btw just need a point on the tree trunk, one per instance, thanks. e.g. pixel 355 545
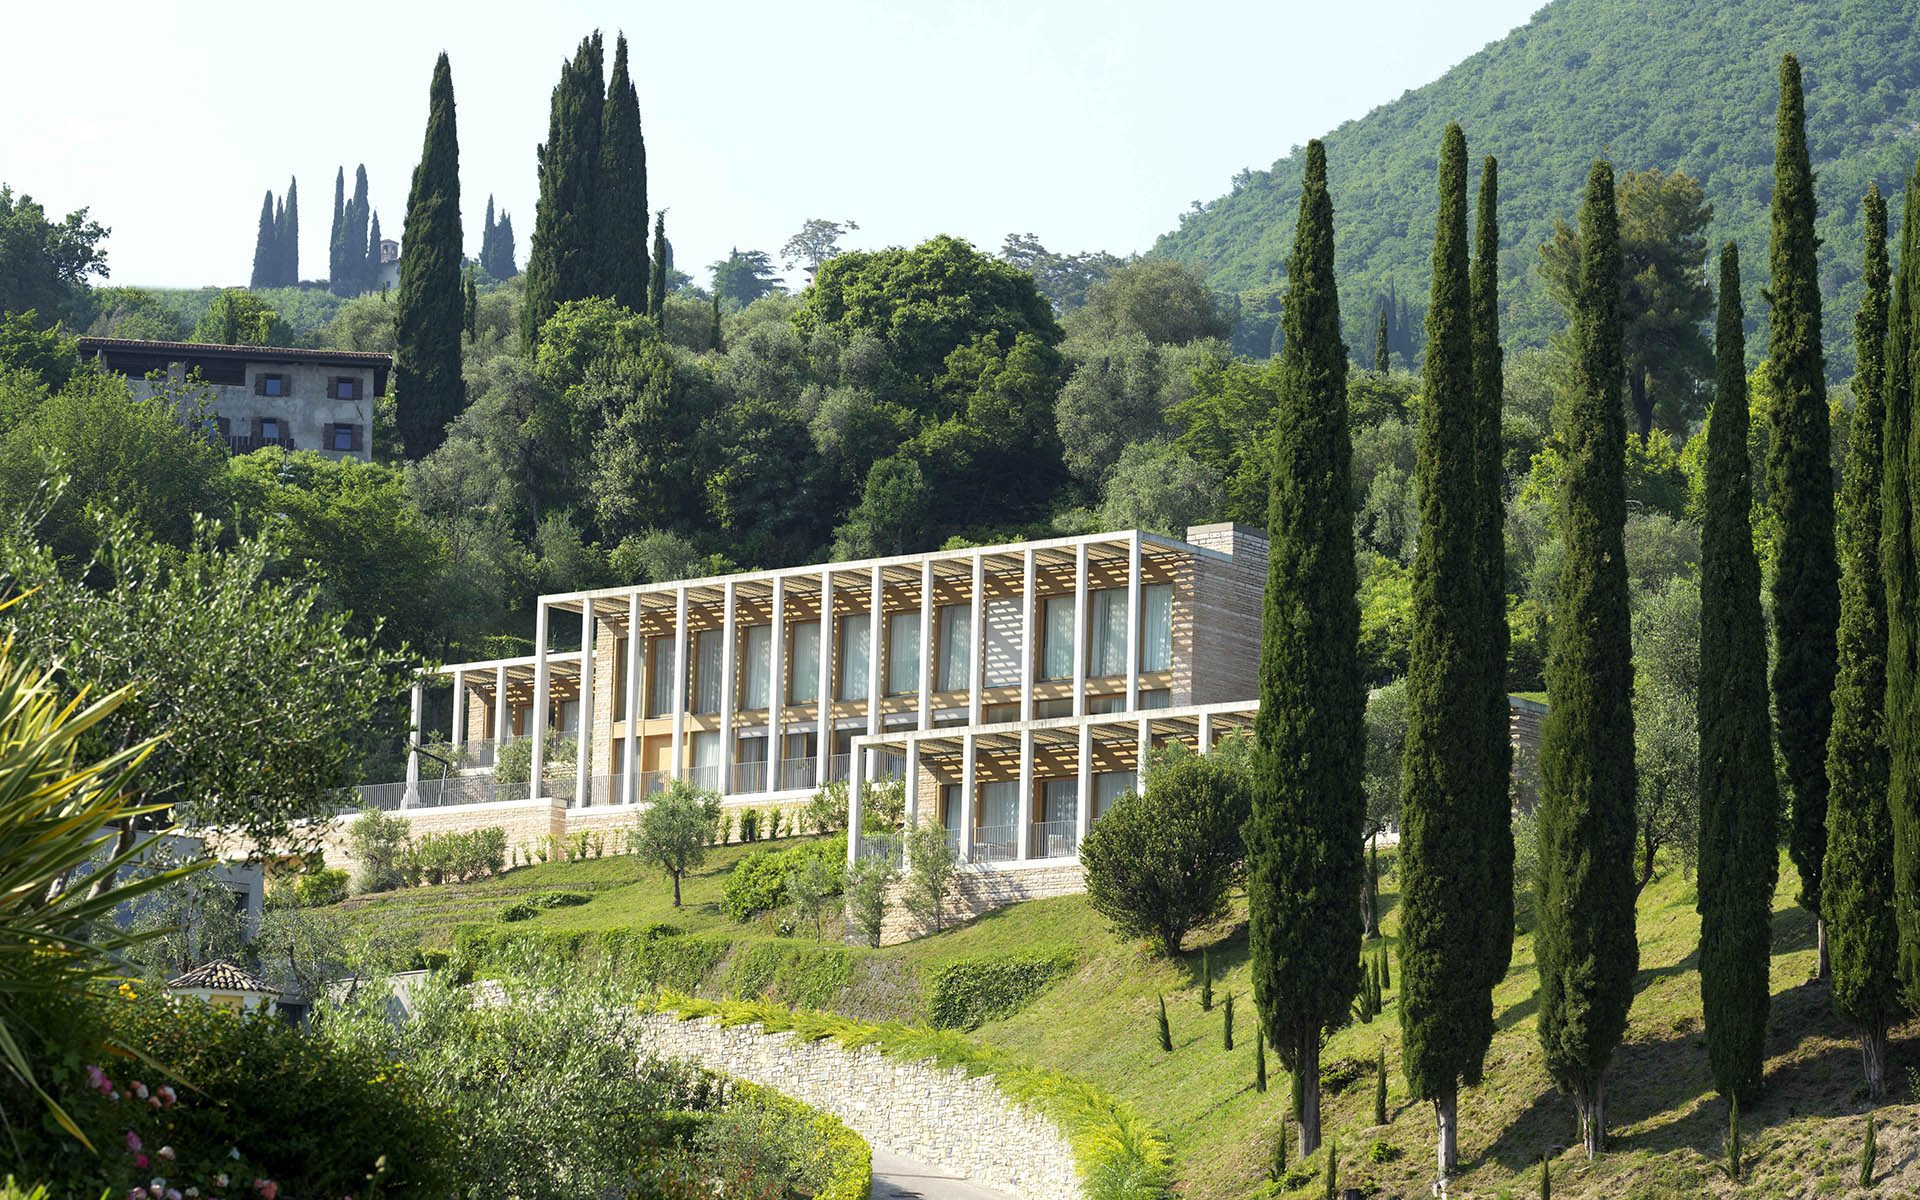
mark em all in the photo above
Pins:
pixel 1590 1102
pixel 1370 895
pixel 1648 848
pixel 1446 1112
pixel 102 880
pixel 1823 966
pixel 1873 1056
pixel 1642 405
pixel 1306 1093
pixel 676 889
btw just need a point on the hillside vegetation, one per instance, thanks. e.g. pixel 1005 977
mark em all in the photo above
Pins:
pixel 1097 1021
pixel 1682 85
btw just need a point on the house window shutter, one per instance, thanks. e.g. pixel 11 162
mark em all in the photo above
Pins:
pixel 256 429
pixel 259 384
pixel 357 443
pixel 225 426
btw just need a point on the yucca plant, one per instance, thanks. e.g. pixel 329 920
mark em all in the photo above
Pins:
pixel 58 814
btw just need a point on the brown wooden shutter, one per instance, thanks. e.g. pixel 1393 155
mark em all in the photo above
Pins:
pixel 259 384
pixel 358 444
pixel 256 429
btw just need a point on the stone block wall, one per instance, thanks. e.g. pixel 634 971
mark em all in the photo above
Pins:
pixel 525 821
pixel 923 1112
pixel 977 892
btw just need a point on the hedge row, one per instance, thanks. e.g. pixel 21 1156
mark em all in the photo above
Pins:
pixel 966 993
pixel 539 902
pixel 1117 1153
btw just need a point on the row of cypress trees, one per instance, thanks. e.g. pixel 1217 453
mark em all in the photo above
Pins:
pixel 590 226
pixel 353 249
pixel 496 245
pixel 276 248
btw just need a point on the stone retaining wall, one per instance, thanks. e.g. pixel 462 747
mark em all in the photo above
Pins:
pixel 977 892
pixel 936 1116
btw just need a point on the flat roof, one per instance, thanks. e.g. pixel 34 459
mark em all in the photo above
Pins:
pixel 379 363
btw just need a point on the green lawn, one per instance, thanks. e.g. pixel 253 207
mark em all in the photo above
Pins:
pixel 1098 1024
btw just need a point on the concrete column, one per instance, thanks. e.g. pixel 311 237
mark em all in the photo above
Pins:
pixel 967 801
pixel 856 778
pixel 823 753
pixel 926 644
pixel 976 649
pixel 1205 739
pixel 1133 620
pixel 537 719
pixel 1142 745
pixel 1026 637
pixel 1023 807
pixel 502 712
pixel 678 762
pixel 729 688
pixel 876 658
pixel 776 682
pixel 910 816
pixel 1083 815
pixel 459 709
pixel 583 763
pixel 412 792
pixel 630 759
pixel 1080 630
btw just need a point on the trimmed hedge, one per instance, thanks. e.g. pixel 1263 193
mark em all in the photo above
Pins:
pixel 966 993
pixel 842 1166
pixel 1119 1155
pixel 802 976
pixel 539 902
pixel 758 882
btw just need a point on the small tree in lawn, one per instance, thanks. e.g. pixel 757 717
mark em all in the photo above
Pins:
pixel 931 865
pixel 867 884
pixel 674 829
pixel 378 842
pixel 1160 865
pixel 811 887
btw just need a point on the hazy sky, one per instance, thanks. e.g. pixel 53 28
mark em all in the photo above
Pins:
pixel 1091 123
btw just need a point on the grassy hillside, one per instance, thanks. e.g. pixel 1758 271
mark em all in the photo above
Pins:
pixel 1674 84
pixel 1097 1023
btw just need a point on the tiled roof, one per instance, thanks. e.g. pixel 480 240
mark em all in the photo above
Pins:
pixel 221 976
pixel 358 358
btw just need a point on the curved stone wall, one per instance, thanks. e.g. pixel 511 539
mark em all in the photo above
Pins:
pixel 934 1115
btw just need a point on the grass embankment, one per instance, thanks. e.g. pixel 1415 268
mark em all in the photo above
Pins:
pixel 1097 1024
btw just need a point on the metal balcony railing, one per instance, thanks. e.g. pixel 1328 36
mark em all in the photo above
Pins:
pixel 993 844
pixel 839 767
pixel 796 773
pixel 705 777
pixel 1055 839
pixel 749 778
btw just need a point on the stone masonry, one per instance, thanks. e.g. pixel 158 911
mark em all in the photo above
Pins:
pixel 923 1112
pixel 977 892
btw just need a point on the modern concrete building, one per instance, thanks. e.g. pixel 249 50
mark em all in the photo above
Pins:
pixel 264 395
pixel 1014 688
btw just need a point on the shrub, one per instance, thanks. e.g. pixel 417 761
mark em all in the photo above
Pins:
pixel 824 1159
pixel 1161 864
pixel 457 857
pixel 827 811
pixel 966 993
pixel 749 825
pixel 760 881
pixel 932 863
pixel 378 843
pixel 513 762
pixel 315 888
pixel 867 885
pixel 539 902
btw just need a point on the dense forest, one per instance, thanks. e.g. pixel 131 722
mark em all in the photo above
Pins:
pixel 1673 85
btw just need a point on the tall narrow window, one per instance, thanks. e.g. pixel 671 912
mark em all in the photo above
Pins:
pixel 706 671
pixel 903 653
pixel 756 655
pixel 660 675
pixel 1156 627
pixel 621 648
pixel 956 647
pixel 706 761
pixel 853 657
pixel 1108 652
pixel 1108 787
pixel 1056 657
pixel 804 687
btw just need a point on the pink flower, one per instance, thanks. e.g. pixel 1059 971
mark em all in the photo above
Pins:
pixel 166 1095
pixel 97 1080
pixel 140 1162
pixel 267 1188
pixel 220 1180
pixel 138 1193
pixel 139 1089
pixel 133 1142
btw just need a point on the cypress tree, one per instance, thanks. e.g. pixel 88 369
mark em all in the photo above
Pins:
pixel 1380 1087
pixel 362 264
pixel 1491 642
pixel 372 268
pixel 1739 799
pixel 277 253
pixel 337 235
pixel 564 266
pixel 1446 1002
pixel 1382 349
pixel 1304 853
pixel 1226 1035
pixel 470 310
pixel 621 196
pixel 1856 894
pixel 1869 1150
pixel 1259 1057
pixel 1584 942
pixel 662 264
pixel 290 238
pixel 714 339
pixel 1806 595
pixel 426 361
pixel 1370 912
pixel 263 247
pixel 503 248
pixel 1166 1032
pixel 486 238
pixel 1900 563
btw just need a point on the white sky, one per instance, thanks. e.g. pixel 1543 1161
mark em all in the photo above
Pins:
pixel 1091 123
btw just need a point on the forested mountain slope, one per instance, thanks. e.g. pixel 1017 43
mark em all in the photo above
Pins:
pixel 1684 85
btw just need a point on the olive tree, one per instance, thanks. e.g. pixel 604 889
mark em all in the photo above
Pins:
pixel 675 828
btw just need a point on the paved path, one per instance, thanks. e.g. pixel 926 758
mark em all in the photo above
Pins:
pixel 896 1178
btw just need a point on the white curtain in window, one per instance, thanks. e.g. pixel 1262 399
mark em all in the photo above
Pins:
pixel 997 804
pixel 903 653
pixel 660 700
pixel 1057 638
pixel 956 650
pixel 1156 627
pixel 1061 798
pixel 706 671
pixel 1109 650
pixel 804 688
pixel 1109 786
pixel 853 657
pixel 757 654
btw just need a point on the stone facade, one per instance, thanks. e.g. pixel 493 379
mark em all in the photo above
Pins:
pixel 526 822
pixel 977 892
pixel 933 1115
